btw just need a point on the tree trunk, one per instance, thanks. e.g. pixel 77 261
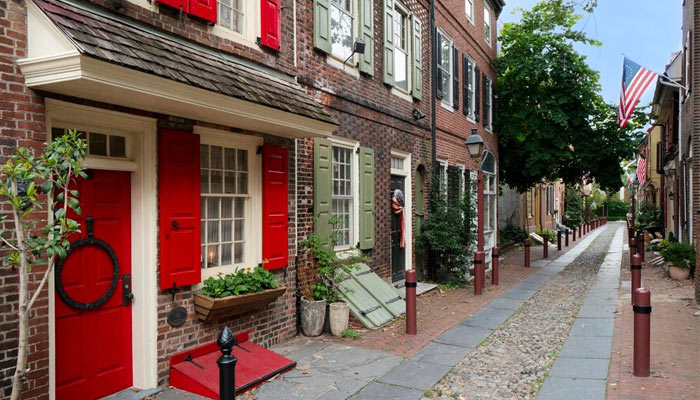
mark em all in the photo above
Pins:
pixel 20 372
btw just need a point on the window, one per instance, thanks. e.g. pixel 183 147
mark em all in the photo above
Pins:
pixel 401 46
pixel 341 28
pixel 470 98
pixel 342 196
pixel 687 54
pixel 488 166
pixel 231 14
pixel 487 24
pixel 445 68
pixel 99 144
pixel 469 10
pixel 488 98
pixel 224 174
pixel 461 181
pixel 397 162
pixel 442 177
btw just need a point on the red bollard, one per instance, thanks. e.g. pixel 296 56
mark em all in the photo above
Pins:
pixel 579 231
pixel 636 272
pixel 495 252
pixel 642 331
pixel 574 233
pixel 411 285
pixel 545 246
pixel 527 253
pixel 633 249
pixel 478 272
pixel 559 240
pixel 566 238
pixel 640 244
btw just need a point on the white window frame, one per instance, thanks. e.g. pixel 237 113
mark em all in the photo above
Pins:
pixel 488 23
pixel 489 99
pixel 469 10
pixel 251 26
pixel 253 207
pixel 354 146
pixel 442 184
pixel 446 101
pixel 399 8
pixel 688 53
pixel 472 97
pixel 490 195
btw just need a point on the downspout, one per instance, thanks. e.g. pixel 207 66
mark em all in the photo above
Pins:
pixel 433 89
pixel 681 189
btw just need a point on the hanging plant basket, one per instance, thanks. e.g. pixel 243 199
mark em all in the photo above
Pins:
pixel 211 308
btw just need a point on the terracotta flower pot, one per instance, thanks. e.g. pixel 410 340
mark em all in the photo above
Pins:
pixel 339 314
pixel 678 273
pixel 313 313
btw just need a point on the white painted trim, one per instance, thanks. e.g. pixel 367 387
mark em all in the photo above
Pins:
pixel 144 250
pixel 408 200
pixel 47 39
pixel 354 146
pixel 251 26
pixel 400 93
pixel 73 74
pixel 253 223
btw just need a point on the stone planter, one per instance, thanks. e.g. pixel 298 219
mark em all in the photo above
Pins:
pixel 210 308
pixel 678 273
pixel 338 315
pixel 313 313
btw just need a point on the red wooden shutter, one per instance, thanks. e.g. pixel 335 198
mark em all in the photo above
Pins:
pixel 270 23
pixel 275 207
pixel 205 9
pixel 176 4
pixel 179 207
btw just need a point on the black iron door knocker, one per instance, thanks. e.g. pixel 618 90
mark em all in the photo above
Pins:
pixel 84 242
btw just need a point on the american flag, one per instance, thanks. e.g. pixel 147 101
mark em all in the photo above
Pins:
pixel 642 170
pixel 635 81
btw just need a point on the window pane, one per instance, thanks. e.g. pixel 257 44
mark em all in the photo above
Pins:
pixel 117 146
pixel 212 208
pixel 216 181
pixel 239 207
pixel 341 33
pixel 242 160
pixel 400 69
pixel 230 159
pixel 226 249
pixel 97 144
pixel 227 208
pixel 213 231
pixel 212 256
pixel 226 230
pixel 238 253
pixel 238 230
pixel 217 155
pixel 204 180
pixel 230 182
pixel 242 183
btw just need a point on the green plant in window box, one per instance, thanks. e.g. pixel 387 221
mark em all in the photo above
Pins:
pixel 243 281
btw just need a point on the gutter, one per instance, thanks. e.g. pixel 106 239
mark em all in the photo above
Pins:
pixel 433 89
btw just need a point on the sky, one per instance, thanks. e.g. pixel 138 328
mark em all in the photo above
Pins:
pixel 646 31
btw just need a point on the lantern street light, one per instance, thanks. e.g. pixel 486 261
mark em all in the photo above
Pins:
pixel 474 144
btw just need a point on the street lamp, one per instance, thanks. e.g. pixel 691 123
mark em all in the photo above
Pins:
pixel 474 144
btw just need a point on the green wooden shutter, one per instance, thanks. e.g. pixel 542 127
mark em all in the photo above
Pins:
pixel 367 35
pixel 476 94
pixel 455 77
pixel 416 50
pixel 322 25
pixel 322 188
pixel 366 198
pixel 388 42
pixel 484 98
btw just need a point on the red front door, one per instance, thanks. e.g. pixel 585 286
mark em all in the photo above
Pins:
pixel 93 347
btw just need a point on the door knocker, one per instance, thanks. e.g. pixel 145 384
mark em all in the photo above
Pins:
pixel 94 242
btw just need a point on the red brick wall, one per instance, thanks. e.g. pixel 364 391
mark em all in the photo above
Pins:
pixel 453 126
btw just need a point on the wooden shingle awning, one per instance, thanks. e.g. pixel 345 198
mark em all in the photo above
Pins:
pixel 82 50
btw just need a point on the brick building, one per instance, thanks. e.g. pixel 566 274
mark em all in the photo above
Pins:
pixel 466 45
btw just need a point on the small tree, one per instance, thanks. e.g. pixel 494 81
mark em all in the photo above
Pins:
pixel 574 207
pixel 27 184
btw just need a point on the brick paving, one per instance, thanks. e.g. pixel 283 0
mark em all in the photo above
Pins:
pixel 675 354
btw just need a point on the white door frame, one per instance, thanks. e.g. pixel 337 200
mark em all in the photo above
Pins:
pixel 141 133
pixel 408 202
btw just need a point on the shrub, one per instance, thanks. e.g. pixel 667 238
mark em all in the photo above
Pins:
pixel 649 215
pixel 679 254
pixel 574 208
pixel 512 233
pixel 245 280
pixel 616 208
pixel 552 236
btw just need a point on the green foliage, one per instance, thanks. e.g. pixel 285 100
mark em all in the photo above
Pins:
pixel 679 254
pixel 551 235
pixel 449 233
pixel 649 215
pixel 24 179
pixel 616 208
pixel 552 121
pixel 331 268
pixel 513 233
pixel 243 281
pixel 574 208
pixel 351 334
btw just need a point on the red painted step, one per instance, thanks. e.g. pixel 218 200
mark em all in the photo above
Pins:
pixel 255 366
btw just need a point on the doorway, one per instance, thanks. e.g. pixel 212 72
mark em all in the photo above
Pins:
pixel 93 323
pixel 398 220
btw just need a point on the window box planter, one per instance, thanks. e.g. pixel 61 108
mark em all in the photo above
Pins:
pixel 211 308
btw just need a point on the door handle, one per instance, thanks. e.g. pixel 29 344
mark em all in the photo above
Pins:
pixel 127 295
pixel 174 224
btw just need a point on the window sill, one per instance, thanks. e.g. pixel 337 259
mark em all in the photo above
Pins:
pixel 471 119
pixel 350 68
pixel 402 94
pixel 348 252
pixel 447 106
pixel 236 37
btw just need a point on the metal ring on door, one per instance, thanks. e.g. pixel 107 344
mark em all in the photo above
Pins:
pixel 61 291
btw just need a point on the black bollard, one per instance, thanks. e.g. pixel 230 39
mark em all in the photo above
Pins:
pixel 566 238
pixel 559 240
pixel 227 365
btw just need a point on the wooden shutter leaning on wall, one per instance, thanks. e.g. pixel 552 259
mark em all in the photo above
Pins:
pixel 270 32
pixel 367 200
pixel 179 209
pixel 388 61
pixel 417 53
pixel 322 25
pixel 366 64
pixel 275 207
pixel 322 188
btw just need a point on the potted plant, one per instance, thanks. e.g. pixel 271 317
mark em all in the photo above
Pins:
pixel 233 294
pixel 326 288
pixel 680 257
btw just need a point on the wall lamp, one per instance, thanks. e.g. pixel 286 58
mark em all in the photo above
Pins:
pixel 357 48
pixel 474 143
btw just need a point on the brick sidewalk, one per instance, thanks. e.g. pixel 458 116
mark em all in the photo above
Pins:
pixel 675 354
pixel 439 311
